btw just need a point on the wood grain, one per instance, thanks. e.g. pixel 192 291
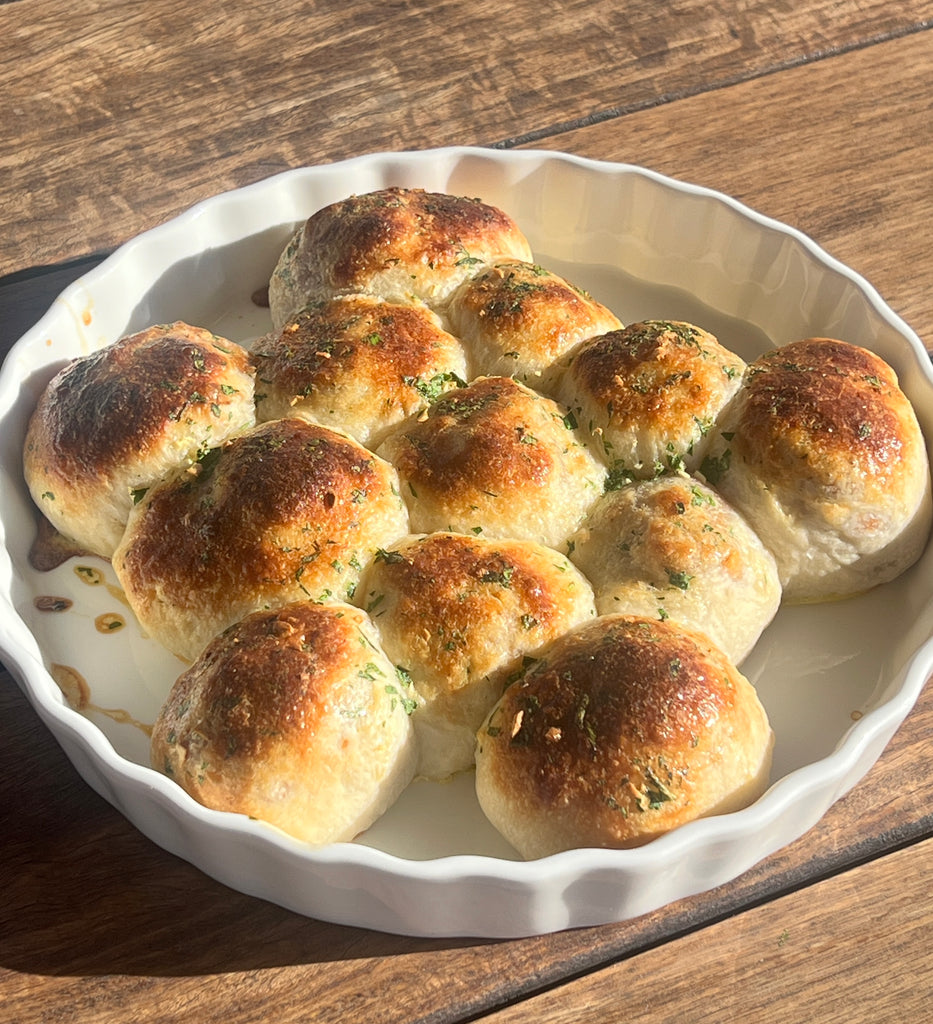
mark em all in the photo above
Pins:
pixel 92 906
pixel 776 962
pixel 820 151
pixel 117 117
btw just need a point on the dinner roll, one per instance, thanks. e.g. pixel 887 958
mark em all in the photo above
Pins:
pixel 624 729
pixel 498 460
pixel 672 548
pixel 114 422
pixel 650 393
pixel 822 453
pixel 356 363
pixel 287 511
pixel 520 320
pixel 294 717
pixel 399 243
pixel 459 614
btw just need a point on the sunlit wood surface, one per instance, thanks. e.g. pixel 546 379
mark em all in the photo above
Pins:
pixel 117 116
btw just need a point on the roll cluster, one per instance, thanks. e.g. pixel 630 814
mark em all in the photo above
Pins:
pixel 452 512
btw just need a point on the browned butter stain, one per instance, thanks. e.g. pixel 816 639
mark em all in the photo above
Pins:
pixel 94 577
pixel 109 622
pixel 76 691
pixel 90 575
pixel 49 548
pixel 106 623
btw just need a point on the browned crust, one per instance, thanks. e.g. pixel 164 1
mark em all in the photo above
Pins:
pixel 110 407
pixel 448 587
pixel 658 372
pixel 524 304
pixel 273 511
pixel 615 724
pixel 393 347
pixel 262 683
pixel 365 234
pixel 685 526
pixel 819 407
pixel 479 440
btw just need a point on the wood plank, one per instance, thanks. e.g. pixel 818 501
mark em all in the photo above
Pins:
pixel 26 296
pixel 82 884
pixel 822 954
pixel 117 117
pixel 814 177
pixel 798 150
pixel 77 938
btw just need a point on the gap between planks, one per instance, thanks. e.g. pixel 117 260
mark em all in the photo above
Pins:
pixel 820 954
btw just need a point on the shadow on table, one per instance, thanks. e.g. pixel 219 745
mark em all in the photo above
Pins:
pixel 134 909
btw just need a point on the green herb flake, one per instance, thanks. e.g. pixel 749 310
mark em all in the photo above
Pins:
pixel 699 498
pixel 679 578
pixel 714 468
pixel 583 723
pixel 617 478
pixel 464 259
pixel 655 793
pixel 432 388
pixel 614 805
pixel 389 557
pixel 409 704
pixel 503 576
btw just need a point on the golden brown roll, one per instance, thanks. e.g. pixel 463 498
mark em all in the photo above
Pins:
pixel 356 363
pixel 395 242
pixel 650 394
pixel 287 511
pixel 520 320
pixel 459 614
pixel 673 548
pixel 495 459
pixel 113 423
pixel 823 455
pixel 625 729
pixel 294 717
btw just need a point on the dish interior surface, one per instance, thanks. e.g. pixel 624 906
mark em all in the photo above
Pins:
pixel 646 248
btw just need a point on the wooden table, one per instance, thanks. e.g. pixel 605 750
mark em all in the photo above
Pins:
pixel 115 117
